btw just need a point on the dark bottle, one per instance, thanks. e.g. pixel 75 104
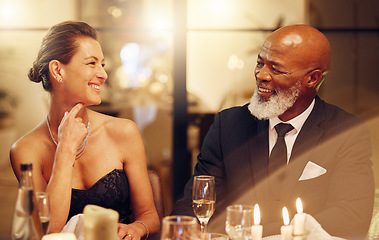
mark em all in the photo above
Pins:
pixel 26 224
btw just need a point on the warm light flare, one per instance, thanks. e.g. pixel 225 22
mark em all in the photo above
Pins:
pixel 299 206
pixel 115 11
pixel 8 11
pixel 286 218
pixel 257 215
pixel 235 62
pixel 219 7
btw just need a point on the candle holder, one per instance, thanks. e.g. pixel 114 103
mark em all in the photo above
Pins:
pixel 180 228
pixel 100 223
pixel 239 220
pixel 303 236
pixel 298 237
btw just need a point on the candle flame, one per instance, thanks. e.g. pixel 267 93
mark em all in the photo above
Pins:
pixel 257 215
pixel 299 206
pixel 286 218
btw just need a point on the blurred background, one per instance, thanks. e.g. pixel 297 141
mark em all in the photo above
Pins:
pixel 173 64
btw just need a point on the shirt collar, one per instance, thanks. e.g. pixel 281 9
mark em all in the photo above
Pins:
pixel 297 122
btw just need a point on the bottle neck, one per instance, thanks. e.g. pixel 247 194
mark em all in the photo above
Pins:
pixel 26 179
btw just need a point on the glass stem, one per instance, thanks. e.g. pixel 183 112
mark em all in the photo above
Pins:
pixel 203 226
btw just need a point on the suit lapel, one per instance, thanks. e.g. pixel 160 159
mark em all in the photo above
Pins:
pixel 258 155
pixel 259 150
pixel 305 144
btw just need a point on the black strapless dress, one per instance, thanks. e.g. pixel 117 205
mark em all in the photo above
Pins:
pixel 111 191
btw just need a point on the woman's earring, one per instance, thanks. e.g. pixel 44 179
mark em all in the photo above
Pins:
pixel 60 80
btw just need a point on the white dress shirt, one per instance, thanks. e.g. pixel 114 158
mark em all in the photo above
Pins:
pixel 290 137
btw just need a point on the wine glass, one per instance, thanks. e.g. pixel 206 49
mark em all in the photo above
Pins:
pixel 179 228
pixel 43 207
pixel 203 199
pixel 214 236
pixel 239 220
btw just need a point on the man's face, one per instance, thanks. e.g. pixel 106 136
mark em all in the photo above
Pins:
pixel 279 77
pixel 276 105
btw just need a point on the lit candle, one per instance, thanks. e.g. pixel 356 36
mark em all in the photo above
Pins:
pixel 286 229
pixel 257 229
pixel 100 223
pixel 299 219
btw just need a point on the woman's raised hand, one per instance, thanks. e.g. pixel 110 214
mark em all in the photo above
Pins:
pixel 72 131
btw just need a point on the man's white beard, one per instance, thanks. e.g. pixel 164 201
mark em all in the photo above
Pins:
pixel 276 105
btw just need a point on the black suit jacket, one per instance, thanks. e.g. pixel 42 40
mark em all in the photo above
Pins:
pixel 236 152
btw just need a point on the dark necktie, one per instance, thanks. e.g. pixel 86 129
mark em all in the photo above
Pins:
pixel 278 157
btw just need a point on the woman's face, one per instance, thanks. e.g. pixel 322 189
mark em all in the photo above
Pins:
pixel 84 74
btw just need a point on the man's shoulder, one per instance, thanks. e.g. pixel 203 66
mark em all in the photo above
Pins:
pixel 336 118
pixel 240 110
pixel 335 113
pixel 237 113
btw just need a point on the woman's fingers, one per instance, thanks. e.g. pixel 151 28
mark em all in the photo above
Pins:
pixel 127 232
pixel 75 110
pixel 72 127
pixel 72 113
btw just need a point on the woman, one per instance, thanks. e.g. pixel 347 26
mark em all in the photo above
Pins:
pixel 80 156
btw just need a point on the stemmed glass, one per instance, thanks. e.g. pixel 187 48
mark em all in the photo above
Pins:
pixel 239 220
pixel 43 207
pixel 179 228
pixel 203 199
pixel 214 236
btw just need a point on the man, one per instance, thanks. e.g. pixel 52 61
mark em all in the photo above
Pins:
pixel 328 150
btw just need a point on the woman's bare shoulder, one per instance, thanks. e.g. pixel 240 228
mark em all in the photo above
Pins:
pixel 115 125
pixel 31 144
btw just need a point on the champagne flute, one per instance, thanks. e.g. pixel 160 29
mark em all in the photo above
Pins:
pixel 239 220
pixel 43 207
pixel 203 199
pixel 179 228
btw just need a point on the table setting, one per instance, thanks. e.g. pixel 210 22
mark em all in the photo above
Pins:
pixel 242 222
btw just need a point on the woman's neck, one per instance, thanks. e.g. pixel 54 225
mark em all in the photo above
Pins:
pixel 57 112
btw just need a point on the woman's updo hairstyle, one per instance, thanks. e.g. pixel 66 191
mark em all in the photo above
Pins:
pixel 58 44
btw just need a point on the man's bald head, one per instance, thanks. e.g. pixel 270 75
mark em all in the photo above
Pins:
pixel 290 69
pixel 308 44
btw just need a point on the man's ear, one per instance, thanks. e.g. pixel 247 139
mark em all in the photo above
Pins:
pixel 55 70
pixel 314 78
